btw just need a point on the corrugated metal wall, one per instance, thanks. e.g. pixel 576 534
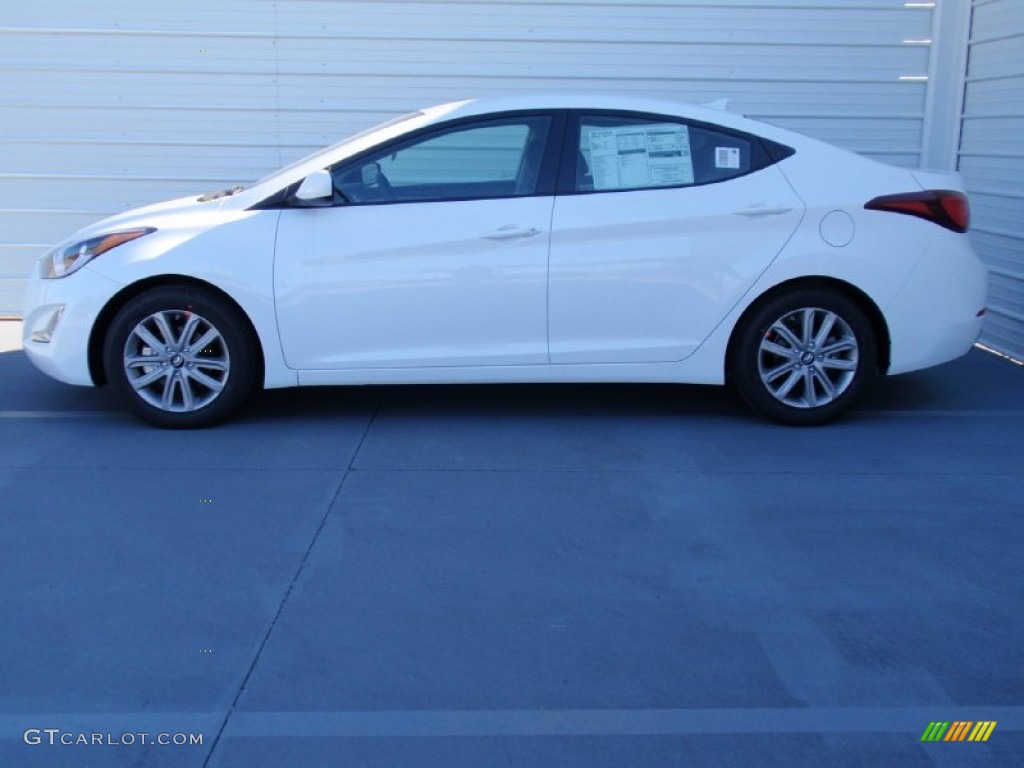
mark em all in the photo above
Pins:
pixel 108 105
pixel 992 161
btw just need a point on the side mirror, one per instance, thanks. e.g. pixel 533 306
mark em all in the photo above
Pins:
pixel 316 189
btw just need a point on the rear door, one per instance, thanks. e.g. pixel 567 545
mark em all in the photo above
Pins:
pixel 661 227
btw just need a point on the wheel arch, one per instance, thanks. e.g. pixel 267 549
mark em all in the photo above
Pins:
pixel 129 292
pixel 850 291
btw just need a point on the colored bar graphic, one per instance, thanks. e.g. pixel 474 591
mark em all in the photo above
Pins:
pixel 958 730
pixel 982 730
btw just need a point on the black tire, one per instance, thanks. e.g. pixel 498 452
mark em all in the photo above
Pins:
pixel 180 386
pixel 803 378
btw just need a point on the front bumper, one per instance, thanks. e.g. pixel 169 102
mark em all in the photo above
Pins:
pixel 59 316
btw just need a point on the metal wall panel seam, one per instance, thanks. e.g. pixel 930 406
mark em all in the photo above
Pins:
pixel 987 165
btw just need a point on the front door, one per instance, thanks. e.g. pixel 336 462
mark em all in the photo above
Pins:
pixel 435 253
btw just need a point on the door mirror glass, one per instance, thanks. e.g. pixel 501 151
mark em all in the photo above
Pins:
pixel 370 174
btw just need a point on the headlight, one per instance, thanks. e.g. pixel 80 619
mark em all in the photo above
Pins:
pixel 61 262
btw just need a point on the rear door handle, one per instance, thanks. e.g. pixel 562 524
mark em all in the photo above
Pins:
pixel 510 232
pixel 763 210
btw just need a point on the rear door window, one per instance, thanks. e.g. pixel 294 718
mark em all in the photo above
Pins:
pixel 617 153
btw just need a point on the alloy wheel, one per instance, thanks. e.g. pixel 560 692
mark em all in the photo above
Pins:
pixel 808 357
pixel 176 360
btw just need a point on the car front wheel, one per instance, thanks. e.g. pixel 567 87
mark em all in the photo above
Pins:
pixel 804 357
pixel 180 357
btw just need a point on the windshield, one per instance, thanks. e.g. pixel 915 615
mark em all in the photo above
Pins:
pixel 346 140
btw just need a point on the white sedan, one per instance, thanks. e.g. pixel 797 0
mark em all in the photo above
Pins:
pixel 526 239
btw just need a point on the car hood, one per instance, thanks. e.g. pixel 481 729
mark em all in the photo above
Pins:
pixel 157 215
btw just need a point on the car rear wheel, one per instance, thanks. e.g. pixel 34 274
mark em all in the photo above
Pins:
pixel 180 357
pixel 804 357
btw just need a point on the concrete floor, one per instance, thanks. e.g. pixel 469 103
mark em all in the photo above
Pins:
pixel 514 576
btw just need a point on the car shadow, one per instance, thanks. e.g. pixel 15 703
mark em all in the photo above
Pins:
pixel 523 400
pixel 24 388
pixel 976 382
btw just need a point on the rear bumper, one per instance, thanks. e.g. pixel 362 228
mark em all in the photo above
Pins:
pixel 936 317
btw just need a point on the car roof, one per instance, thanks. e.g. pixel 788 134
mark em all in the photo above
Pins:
pixel 584 101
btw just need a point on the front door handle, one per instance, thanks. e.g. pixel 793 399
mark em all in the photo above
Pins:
pixel 510 232
pixel 763 210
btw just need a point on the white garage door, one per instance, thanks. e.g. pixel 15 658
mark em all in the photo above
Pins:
pixel 992 161
pixel 108 105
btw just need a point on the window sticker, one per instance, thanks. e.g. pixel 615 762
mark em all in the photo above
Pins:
pixel 727 157
pixel 648 155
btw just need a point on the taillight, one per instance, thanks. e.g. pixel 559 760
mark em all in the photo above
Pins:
pixel 946 208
